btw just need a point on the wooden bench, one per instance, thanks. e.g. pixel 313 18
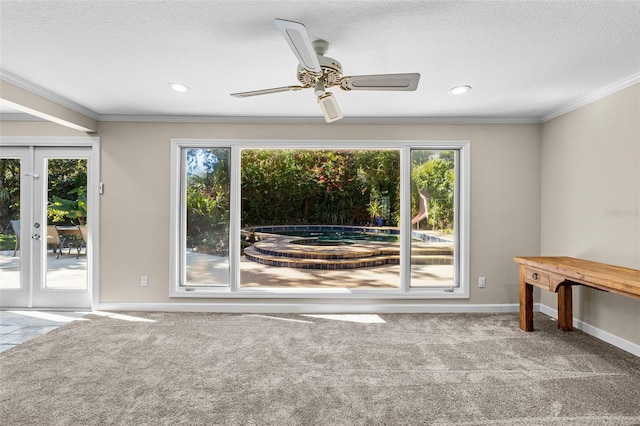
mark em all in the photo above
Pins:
pixel 558 274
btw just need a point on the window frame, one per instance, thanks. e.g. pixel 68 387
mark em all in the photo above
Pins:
pixel 404 291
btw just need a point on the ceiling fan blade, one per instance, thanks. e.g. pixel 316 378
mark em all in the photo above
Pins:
pixel 266 91
pixel 381 82
pixel 296 35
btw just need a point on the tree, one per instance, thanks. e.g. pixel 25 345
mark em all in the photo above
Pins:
pixel 67 199
pixel 65 177
pixel 281 186
pixel 9 190
pixel 75 209
pixel 208 200
pixel 437 174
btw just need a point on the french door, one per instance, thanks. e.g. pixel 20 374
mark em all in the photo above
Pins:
pixel 46 215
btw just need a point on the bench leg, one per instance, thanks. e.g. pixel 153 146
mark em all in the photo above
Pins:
pixel 565 308
pixel 526 304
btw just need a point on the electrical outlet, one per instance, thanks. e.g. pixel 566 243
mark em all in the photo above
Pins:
pixel 482 282
pixel 144 280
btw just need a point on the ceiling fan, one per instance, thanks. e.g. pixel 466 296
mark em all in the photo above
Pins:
pixel 321 72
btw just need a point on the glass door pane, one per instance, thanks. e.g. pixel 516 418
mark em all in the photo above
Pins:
pixel 433 212
pixel 318 218
pixel 66 260
pixel 16 183
pixel 206 215
pixel 60 228
pixel 11 249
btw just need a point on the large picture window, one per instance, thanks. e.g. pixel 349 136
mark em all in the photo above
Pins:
pixel 351 219
pixel 204 226
pixel 434 218
pixel 318 218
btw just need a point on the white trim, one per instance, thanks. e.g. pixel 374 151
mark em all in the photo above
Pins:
pixel 235 205
pixel 405 220
pixel 596 332
pixel 592 97
pixel 461 291
pixel 320 293
pixel 52 141
pixel 463 247
pixel 93 179
pixel 46 94
pixel 174 217
pixel 314 120
pixel 383 307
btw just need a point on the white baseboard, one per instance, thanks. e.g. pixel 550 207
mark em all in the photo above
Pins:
pixel 612 339
pixel 310 308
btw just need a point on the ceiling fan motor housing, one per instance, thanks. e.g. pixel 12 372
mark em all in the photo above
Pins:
pixel 331 73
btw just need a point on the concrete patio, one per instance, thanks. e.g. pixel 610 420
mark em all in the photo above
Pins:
pixel 65 272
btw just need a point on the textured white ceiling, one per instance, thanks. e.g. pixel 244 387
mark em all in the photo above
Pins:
pixel 524 59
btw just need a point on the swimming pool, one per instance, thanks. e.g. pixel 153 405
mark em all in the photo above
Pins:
pixel 341 247
pixel 326 238
pixel 343 234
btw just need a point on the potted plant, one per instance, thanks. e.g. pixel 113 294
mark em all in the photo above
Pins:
pixel 375 210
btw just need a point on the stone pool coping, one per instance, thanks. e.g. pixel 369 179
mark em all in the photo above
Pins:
pixel 424 235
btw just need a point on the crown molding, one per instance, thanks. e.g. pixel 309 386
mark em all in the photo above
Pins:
pixel 46 94
pixel 314 120
pixel 599 94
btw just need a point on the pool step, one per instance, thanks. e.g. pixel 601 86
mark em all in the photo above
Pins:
pixel 368 261
pixel 283 248
pixel 432 260
pixel 323 263
pixel 431 251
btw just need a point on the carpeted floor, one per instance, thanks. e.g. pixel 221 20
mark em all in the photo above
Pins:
pixel 241 369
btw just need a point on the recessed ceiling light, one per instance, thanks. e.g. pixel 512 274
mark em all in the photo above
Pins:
pixel 178 87
pixel 459 90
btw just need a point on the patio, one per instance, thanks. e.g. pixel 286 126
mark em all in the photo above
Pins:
pixel 204 269
pixel 65 272
pixel 209 269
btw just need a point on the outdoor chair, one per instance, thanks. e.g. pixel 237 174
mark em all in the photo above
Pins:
pixel 15 224
pixel 53 238
pixel 83 240
pixel 58 242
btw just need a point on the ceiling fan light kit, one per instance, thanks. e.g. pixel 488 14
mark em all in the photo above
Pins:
pixel 330 108
pixel 317 71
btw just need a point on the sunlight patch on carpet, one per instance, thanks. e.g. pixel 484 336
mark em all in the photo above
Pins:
pixel 48 316
pixel 357 318
pixel 122 317
pixel 281 319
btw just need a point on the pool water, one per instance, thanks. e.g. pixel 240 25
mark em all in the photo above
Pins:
pixel 338 237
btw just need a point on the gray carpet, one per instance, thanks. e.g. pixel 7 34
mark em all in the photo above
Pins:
pixel 235 369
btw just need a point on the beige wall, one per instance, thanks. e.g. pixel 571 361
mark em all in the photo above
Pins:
pixel 591 201
pixel 505 195
pixel 568 187
pixel 38 128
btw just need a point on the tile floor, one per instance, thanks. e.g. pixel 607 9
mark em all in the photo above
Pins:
pixel 19 326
